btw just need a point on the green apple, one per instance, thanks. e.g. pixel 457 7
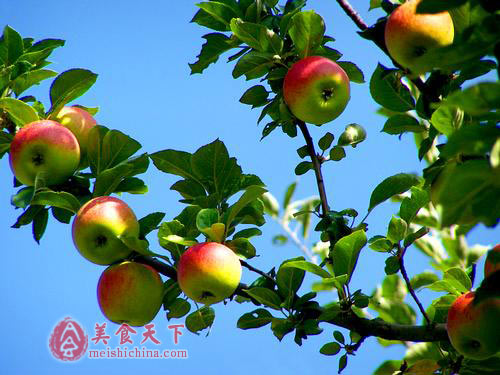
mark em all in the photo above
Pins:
pixel 409 36
pixel 79 121
pixel 492 263
pixel 97 227
pixel 316 90
pixel 45 149
pixel 473 326
pixel 208 272
pixel 130 293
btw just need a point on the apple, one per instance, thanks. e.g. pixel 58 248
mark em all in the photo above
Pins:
pixel 409 36
pixel 208 272
pixel 473 326
pixel 97 227
pixel 316 90
pixel 45 149
pixel 79 121
pixel 130 293
pixel 492 263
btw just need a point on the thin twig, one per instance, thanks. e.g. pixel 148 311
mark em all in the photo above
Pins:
pixel 408 284
pixel 253 269
pixel 296 240
pixel 348 9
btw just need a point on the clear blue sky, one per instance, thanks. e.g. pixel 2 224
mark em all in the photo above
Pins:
pixel 140 51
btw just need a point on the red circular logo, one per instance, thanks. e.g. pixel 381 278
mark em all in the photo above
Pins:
pixel 68 341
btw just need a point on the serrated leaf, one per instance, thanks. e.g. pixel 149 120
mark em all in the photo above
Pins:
pixel 59 199
pixel 387 90
pixel 242 247
pixel 255 96
pixel 306 30
pixel 68 86
pixel 391 186
pixel 28 79
pixel 307 266
pixel 215 45
pixel 19 112
pixel 255 319
pixel 353 72
pixel 11 46
pixel 411 205
pixel 257 36
pixel 40 221
pixel 200 319
pixel 253 65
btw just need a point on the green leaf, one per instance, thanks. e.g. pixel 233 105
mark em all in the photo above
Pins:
pixel 289 194
pixel 422 279
pixel 5 140
pixel 11 46
pixel 23 197
pixel 391 186
pixel 476 100
pixel 255 96
pixel 27 216
pixel 171 291
pixel 380 244
pixel 334 55
pixel 255 319
pixel 352 135
pixel 325 141
pixel 353 72
pixel 253 65
pixel 346 253
pixel 289 281
pixel 265 296
pixel 242 247
pixel 394 288
pixel 447 119
pixel 342 363
pixel 387 90
pixel 471 140
pixel 412 237
pixel 250 194
pixel 339 336
pixel 330 348
pixel 60 199
pixel 215 45
pixel 387 367
pixel 149 223
pixel 206 218
pixel 178 308
pixel 28 79
pixel 337 153
pixel 200 319
pixel 19 112
pixel 131 185
pixel 431 6
pixel 281 327
pixel 303 167
pixel 219 11
pixel 391 265
pixel 257 36
pixel 108 148
pixel 397 229
pixel 68 86
pixel 307 266
pixel 459 275
pixel 306 30
pixel 40 221
pixel 411 205
pixel 399 124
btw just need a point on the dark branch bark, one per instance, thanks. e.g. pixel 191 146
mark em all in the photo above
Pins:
pixel 253 269
pixel 363 326
pixel 344 4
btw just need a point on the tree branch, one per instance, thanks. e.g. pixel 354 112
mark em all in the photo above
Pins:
pixel 348 9
pixel 256 270
pixel 348 320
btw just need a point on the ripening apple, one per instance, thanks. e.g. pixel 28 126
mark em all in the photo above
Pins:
pixel 130 293
pixel 410 35
pixel 45 149
pixel 97 227
pixel 316 90
pixel 208 272
pixel 473 326
pixel 492 263
pixel 79 121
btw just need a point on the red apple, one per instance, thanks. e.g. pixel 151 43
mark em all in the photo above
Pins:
pixel 79 121
pixel 410 35
pixel 492 263
pixel 473 326
pixel 97 227
pixel 45 149
pixel 316 90
pixel 208 272
pixel 130 293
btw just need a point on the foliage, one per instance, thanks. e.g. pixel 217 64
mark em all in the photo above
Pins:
pixel 453 117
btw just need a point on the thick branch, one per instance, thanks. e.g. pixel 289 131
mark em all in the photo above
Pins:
pixel 348 9
pixel 389 331
pixel 348 320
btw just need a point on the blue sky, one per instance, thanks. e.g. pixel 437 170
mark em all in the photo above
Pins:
pixel 141 52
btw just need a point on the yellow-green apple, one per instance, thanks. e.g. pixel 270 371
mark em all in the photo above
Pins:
pixel 472 326
pixel 44 149
pixel 492 263
pixel 316 90
pixel 130 293
pixel 98 226
pixel 208 272
pixel 410 35
pixel 79 121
